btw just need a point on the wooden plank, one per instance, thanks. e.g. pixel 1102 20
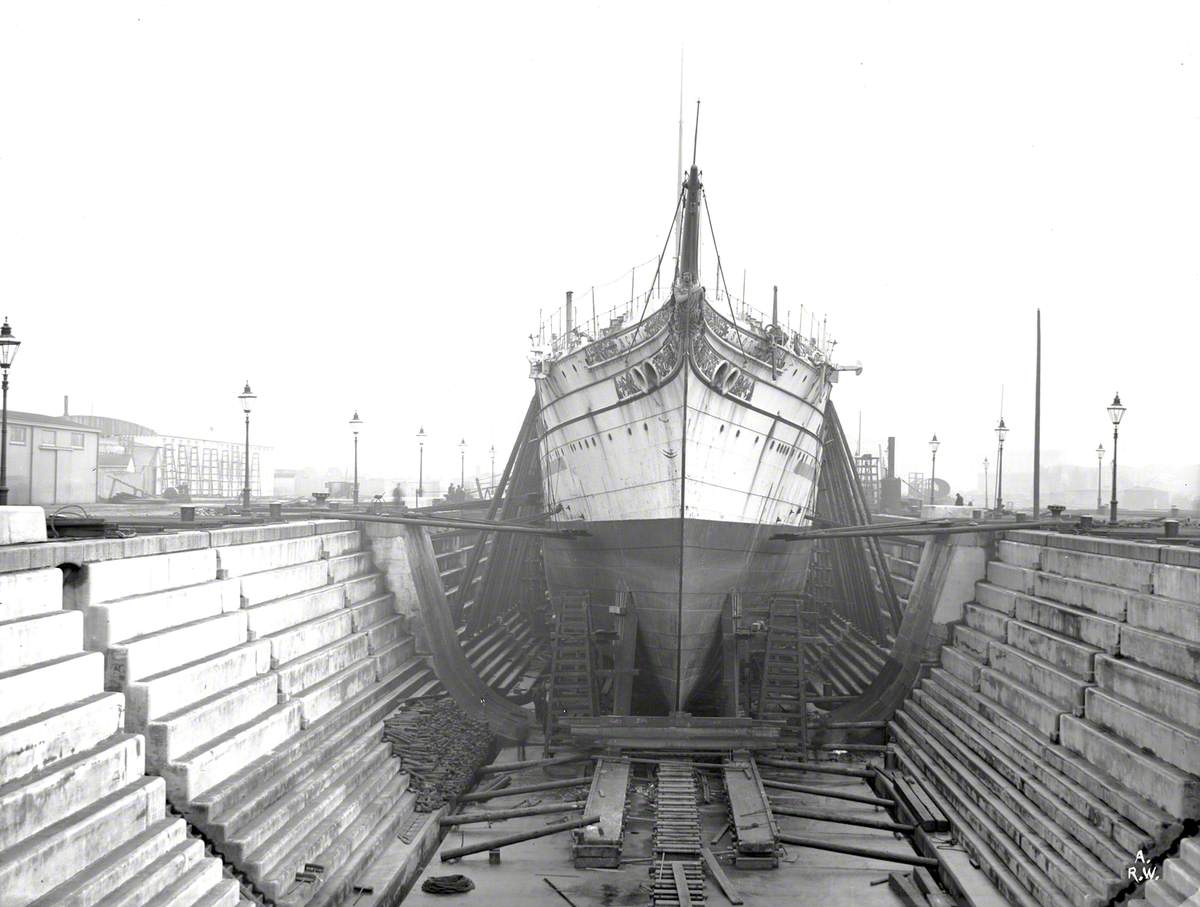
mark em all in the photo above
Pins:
pixel 718 874
pixel 752 818
pixel 903 885
pixel 610 783
pixel 681 885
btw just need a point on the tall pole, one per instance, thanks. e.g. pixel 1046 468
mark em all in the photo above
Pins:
pixel 1000 477
pixel 246 484
pixel 493 453
pixel 421 474
pixel 4 443
pixel 356 468
pixel 1037 424
pixel 1112 507
pixel 1099 477
pixel 987 499
pixel 932 475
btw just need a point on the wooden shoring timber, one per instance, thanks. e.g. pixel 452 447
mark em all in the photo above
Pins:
pixel 450 663
pixel 676 735
pixel 599 845
pixel 517 838
pixel 908 859
pixel 754 825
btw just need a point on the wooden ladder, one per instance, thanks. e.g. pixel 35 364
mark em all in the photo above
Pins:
pixel 572 691
pixel 783 693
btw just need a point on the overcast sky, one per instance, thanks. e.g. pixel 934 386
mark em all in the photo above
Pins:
pixel 366 205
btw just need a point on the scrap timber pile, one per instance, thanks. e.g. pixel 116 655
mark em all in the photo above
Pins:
pixel 440 746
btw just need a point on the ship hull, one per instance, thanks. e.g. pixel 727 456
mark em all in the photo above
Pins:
pixel 680 446
pixel 678 575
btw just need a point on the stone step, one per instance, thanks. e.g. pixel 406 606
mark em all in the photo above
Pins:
pixel 141 615
pixel 145 887
pixel 1029 707
pixel 24 593
pixel 32 867
pixel 372 611
pixel 1020 555
pixel 323 697
pixel 986 620
pixel 1071 866
pixel 1175 792
pixel 184 890
pixel 297 676
pixel 273 617
pixel 1160 893
pixel 29 804
pixel 386 633
pixel 350 853
pixel 1176 582
pixel 1010 576
pixel 226 893
pixel 1081 625
pixel 1156 691
pixel 962 664
pixel 389 659
pixel 363 588
pixel 1106 831
pixel 105 581
pixel 28 641
pixel 300 639
pixel 973 642
pixel 146 656
pixel 1125 573
pixel 260 784
pixel 1033 885
pixel 1069 655
pixel 276 869
pixel 1061 688
pixel 339 543
pixel 203 768
pixel 175 689
pixel 1170 741
pixel 258 588
pixel 997 598
pixel 48 737
pixel 289 814
pixel 88 886
pixel 1181 875
pixel 172 735
pixel 42 688
pixel 1107 601
pixel 350 566
pixel 258 557
pixel 1163 651
pixel 1180 619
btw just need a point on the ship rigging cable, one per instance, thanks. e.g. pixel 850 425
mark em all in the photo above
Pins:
pixel 721 275
pixel 641 318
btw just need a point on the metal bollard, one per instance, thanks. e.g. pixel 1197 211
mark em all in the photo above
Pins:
pixel 1085 522
pixel 277 510
pixel 187 514
pixel 1171 529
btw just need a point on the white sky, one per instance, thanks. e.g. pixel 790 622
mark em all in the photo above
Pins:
pixel 365 205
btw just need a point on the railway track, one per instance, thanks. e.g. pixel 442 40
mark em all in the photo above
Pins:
pixel 677 873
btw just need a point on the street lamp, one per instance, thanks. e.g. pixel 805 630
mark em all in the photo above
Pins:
pixel 421 469
pixel 8 352
pixel 246 396
pixel 986 491
pixel 355 421
pixel 492 451
pixel 1099 476
pixel 1001 434
pixel 1115 412
pixel 933 446
pixel 462 466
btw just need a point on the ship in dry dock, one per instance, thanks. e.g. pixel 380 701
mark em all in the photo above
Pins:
pixel 680 443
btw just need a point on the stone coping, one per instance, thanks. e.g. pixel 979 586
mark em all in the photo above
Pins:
pixel 57 552
pixel 1175 555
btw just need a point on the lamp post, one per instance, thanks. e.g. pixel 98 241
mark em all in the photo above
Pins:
pixel 421 468
pixel 1115 412
pixel 462 466
pixel 8 352
pixel 1001 434
pixel 492 451
pixel 246 396
pixel 987 498
pixel 1099 476
pixel 355 422
pixel 933 446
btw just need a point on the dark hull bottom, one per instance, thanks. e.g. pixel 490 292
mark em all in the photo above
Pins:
pixel 677 619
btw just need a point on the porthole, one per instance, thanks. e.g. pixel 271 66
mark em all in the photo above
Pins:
pixel 731 378
pixel 721 429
